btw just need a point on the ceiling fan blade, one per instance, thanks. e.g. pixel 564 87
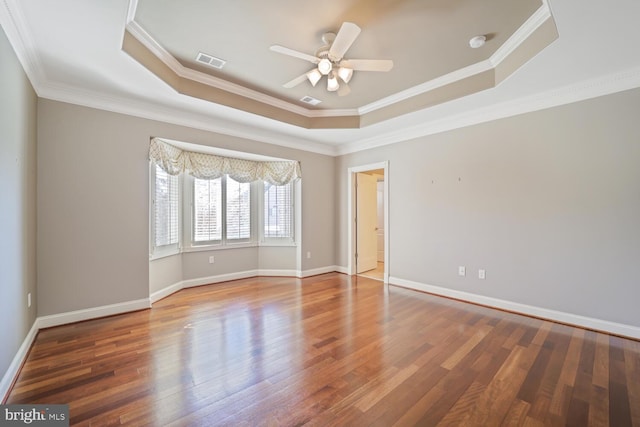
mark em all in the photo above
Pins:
pixel 294 53
pixel 343 41
pixel 368 64
pixel 296 81
pixel 344 89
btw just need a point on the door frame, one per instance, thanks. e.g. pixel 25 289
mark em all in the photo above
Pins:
pixel 351 212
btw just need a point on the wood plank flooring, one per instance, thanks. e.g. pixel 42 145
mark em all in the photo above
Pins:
pixel 330 350
pixel 377 273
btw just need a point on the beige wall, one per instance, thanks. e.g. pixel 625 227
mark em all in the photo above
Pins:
pixel 17 204
pixel 196 265
pixel 93 214
pixel 548 203
pixel 164 272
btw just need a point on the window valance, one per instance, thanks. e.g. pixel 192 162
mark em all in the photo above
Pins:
pixel 174 161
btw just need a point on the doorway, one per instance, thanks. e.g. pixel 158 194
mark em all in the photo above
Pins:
pixel 368 221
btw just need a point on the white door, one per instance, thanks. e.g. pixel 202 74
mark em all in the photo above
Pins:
pixel 367 219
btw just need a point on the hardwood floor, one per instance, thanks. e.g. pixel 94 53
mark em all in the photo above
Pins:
pixel 330 350
pixel 377 273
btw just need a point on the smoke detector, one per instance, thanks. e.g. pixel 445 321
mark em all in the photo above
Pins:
pixel 477 41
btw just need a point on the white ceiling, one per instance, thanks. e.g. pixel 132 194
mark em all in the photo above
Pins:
pixel 72 52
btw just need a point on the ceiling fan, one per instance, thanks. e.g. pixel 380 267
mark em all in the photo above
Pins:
pixel 331 63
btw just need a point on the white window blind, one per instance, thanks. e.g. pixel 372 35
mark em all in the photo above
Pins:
pixel 238 210
pixel 166 207
pixel 278 211
pixel 207 210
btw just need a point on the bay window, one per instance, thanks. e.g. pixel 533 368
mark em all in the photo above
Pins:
pixel 202 201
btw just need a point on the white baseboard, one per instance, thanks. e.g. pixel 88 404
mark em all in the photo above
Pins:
pixel 200 281
pixel 18 359
pixel 165 292
pixel 529 310
pixel 190 283
pixel 92 313
pixel 340 269
pixel 278 273
pixel 112 309
pixel 317 271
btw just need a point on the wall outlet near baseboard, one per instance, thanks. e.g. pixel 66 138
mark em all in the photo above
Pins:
pixel 462 271
pixel 482 274
pixel 29 300
pixel 308 255
pixel 212 259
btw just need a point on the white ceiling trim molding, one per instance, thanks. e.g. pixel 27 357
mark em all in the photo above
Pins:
pixel 131 11
pixel 153 111
pixel 593 88
pixel 14 26
pixel 525 31
pixel 517 38
pixel 444 80
pixel 150 43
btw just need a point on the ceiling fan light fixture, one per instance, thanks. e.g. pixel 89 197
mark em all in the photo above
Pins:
pixel 314 76
pixel 324 66
pixel 345 74
pixel 332 83
pixel 329 61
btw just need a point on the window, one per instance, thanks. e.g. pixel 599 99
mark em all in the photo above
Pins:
pixel 193 214
pixel 278 212
pixel 207 210
pixel 166 208
pixel 238 210
pixel 222 211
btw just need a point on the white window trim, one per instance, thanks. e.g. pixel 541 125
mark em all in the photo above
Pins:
pixel 157 252
pixel 189 245
pixel 185 219
pixel 278 241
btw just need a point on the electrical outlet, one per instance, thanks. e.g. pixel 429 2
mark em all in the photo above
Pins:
pixel 481 274
pixel 29 300
pixel 211 259
pixel 308 255
pixel 462 271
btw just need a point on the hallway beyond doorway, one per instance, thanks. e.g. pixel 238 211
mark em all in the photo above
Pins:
pixel 376 273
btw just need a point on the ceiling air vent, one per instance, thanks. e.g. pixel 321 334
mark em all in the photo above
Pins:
pixel 310 100
pixel 211 61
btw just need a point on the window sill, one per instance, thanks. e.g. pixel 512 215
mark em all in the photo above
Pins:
pixel 204 248
pixel 278 244
pixel 164 254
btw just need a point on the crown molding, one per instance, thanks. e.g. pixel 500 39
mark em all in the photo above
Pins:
pixel 14 25
pixel 153 111
pixel 517 38
pixel 593 88
pixel 131 11
pixel 525 31
pixel 613 83
pixel 150 43
pixel 513 42
pixel 430 85
pixel 170 61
